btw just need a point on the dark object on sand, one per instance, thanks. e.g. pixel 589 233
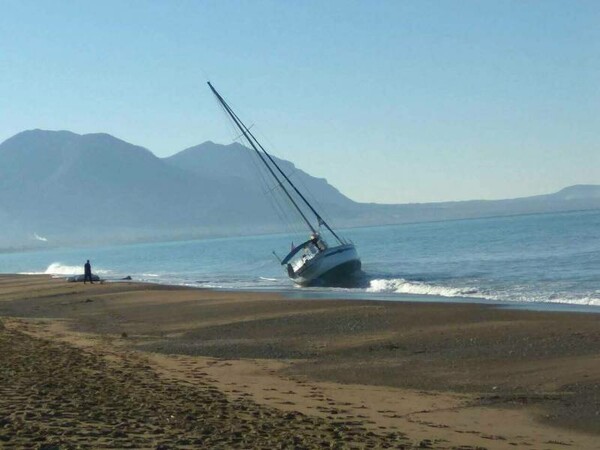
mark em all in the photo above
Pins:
pixel 80 278
pixel 127 278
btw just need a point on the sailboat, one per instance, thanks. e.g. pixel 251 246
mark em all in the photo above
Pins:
pixel 315 261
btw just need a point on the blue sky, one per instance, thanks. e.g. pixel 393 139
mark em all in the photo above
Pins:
pixel 399 101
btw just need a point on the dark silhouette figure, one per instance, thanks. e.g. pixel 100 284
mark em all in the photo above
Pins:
pixel 87 273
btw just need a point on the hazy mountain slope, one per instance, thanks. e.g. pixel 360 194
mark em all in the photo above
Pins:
pixel 82 176
pixel 572 198
pixel 577 192
pixel 96 188
pixel 223 161
pixel 60 183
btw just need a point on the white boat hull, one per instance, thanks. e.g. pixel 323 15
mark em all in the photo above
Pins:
pixel 329 266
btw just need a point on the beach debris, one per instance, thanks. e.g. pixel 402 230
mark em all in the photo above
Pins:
pixel 80 278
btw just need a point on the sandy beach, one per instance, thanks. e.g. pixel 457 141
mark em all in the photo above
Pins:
pixel 130 365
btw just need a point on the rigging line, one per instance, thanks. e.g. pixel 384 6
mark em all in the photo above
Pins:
pixel 246 133
pixel 241 135
pixel 292 224
pixel 276 197
pixel 319 218
pixel 249 133
pixel 264 137
pixel 276 200
pixel 313 198
pixel 271 189
pixel 278 211
pixel 265 186
pixel 294 172
pixel 258 170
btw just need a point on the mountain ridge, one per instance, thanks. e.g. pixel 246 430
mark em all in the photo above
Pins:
pixel 96 188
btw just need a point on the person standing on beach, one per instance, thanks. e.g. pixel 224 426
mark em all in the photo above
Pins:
pixel 87 272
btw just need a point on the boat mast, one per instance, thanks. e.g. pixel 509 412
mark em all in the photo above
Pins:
pixel 246 133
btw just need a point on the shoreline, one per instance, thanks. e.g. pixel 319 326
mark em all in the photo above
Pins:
pixel 424 298
pixel 350 294
pixel 446 374
pixel 343 294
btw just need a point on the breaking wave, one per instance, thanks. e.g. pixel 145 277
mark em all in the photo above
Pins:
pixel 591 301
pixel 59 269
pixel 402 286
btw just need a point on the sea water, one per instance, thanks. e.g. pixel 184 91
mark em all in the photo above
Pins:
pixel 528 259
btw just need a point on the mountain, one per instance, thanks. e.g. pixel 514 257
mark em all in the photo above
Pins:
pixel 96 187
pixel 572 198
pixel 62 188
pixel 224 161
pixel 578 192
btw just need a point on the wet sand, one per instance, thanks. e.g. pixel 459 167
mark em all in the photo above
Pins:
pixel 126 365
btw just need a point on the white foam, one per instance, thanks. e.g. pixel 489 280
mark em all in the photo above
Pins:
pixel 589 301
pixel 573 300
pixel 203 285
pixel 40 238
pixel 59 269
pixel 402 286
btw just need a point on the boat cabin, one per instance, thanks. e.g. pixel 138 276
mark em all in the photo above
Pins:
pixel 303 253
